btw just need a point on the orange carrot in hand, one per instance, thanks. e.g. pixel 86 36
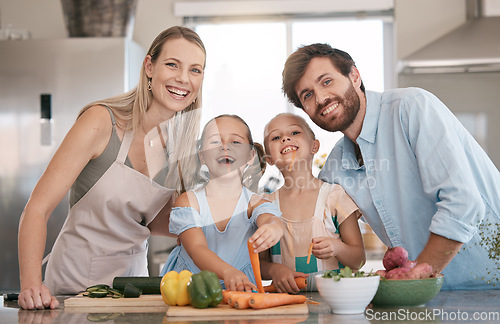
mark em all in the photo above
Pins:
pixel 291 163
pixel 309 252
pixel 301 283
pixel 254 260
pixel 259 301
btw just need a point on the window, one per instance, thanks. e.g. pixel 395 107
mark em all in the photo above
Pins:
pixel 243 73
pixel 245 61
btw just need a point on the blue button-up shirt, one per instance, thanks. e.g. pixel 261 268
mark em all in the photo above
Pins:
pixel 422 172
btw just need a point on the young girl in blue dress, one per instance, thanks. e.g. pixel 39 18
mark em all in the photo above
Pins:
pixel 215 222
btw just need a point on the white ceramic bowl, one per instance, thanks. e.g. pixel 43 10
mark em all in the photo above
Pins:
pixel 348 295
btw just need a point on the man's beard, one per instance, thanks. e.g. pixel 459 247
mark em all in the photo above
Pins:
pixel 350 103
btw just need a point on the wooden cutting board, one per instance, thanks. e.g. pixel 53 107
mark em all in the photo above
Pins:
pixel 226 310
pixel 154 303
pixel 142 301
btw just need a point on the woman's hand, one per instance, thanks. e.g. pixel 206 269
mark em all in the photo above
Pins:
pixel 86 140
pixel 284 279
pixel 37 297
pixel 235 279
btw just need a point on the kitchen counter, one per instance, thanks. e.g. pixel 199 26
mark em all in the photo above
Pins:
pixel 447 307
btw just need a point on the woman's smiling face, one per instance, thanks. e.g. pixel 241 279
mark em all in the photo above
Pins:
pixel 177 74
pixel 225 146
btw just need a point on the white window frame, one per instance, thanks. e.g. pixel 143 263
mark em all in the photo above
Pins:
pixel 290 11
pixel 276 7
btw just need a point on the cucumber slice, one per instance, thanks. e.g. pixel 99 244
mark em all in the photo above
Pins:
pixel 115 293
pixel 98 294
pixel 102 317
pixel 100 287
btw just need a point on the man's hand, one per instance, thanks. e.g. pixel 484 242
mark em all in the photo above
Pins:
pixel 438 252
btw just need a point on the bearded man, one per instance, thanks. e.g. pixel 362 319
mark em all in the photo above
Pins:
pixel 420 179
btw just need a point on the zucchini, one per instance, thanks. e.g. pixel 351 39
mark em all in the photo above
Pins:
pixel 148 285
pixel 131 291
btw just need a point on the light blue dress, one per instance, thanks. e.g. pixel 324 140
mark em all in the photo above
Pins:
pixel 230 245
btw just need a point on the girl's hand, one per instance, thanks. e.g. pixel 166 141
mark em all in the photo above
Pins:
pixel 235 279
pixel 267 235
pixel 326 247
pixel 37 297
pixel 284 279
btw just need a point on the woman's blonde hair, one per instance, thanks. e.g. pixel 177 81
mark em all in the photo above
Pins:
pixel 131 108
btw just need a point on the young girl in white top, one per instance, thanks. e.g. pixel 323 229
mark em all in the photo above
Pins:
pixel 215 222
pixel 313 211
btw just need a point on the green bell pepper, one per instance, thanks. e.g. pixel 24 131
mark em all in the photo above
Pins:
pixel 204 290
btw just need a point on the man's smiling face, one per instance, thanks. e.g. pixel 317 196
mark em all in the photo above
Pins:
pixel 328 97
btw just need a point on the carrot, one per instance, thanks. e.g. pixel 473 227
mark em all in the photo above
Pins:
pixel 231 300
pixel 241 301
pixel 291 163
pixel 232 296
pixel 226 294
pixel 301 283
pixel 309 252
pixel 254 260
pixel 259 301
pixel 312 302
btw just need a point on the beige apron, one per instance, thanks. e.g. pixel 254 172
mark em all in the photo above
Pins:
pixel 299 234
pixel 332 203
pixel 105 234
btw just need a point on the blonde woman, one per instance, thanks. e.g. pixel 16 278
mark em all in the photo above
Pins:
pixel 124 161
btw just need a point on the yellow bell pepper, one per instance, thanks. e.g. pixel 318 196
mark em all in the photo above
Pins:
pixel 173 288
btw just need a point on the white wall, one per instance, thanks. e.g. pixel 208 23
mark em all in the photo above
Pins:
pixel 417 22
pixel 152 17
pixel 44 19
pixel 420 22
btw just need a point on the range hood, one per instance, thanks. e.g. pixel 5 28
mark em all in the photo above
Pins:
pixel 472 47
